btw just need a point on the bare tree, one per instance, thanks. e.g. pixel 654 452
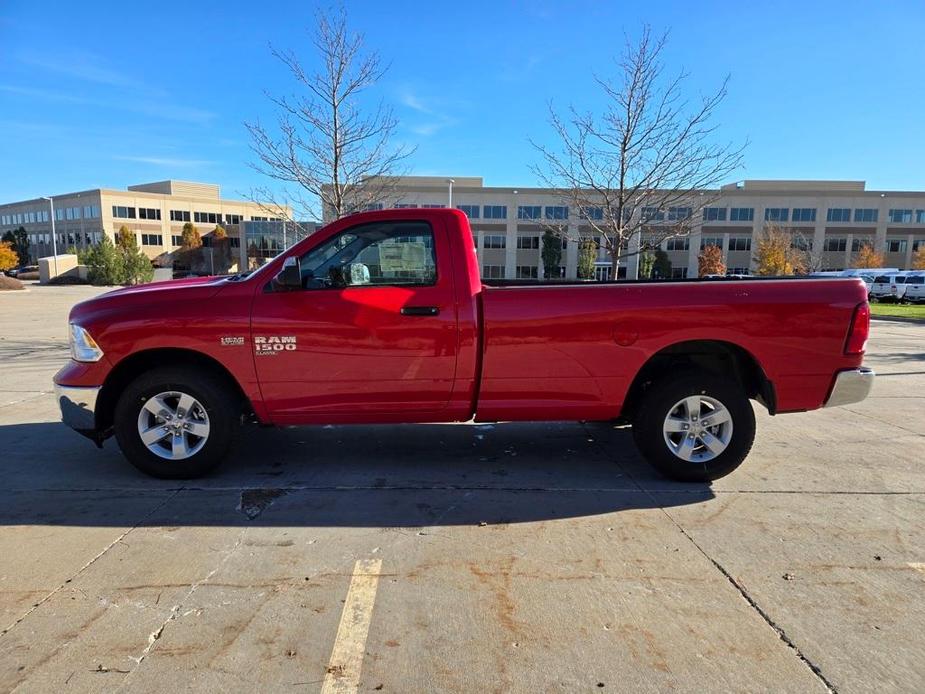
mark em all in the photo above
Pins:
pixel 331 153
pixel 647 163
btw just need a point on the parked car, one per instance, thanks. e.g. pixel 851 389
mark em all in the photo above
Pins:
pixel 381 317
pixel 889 287
pixel 16 271
pixel 915 287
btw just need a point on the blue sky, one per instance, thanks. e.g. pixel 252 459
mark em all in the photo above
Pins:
pixel 110 94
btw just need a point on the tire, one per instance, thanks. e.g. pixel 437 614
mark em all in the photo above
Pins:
pixel 664 449
pixel 195 441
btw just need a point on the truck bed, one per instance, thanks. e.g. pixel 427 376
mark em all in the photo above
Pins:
pixel 571 350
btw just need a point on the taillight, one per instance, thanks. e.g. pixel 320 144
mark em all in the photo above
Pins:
pixel 859 330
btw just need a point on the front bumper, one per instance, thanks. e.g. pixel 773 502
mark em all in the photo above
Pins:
pixel 78 407
pixel 851 386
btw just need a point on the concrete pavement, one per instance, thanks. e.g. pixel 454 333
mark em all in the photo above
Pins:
pixel 518 557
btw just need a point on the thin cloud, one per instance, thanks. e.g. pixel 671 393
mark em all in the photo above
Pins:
pixel 82 66
pixel 186 114
pixel 167 161
pixel 436 120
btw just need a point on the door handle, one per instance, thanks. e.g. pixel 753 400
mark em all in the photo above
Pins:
pixel 420 311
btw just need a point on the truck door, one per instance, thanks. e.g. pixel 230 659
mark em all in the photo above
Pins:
pixel 372 331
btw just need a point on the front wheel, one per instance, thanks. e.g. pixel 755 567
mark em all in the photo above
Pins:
pixel 175 423
pixel 695 428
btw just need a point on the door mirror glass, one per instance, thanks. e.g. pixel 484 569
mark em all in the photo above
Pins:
pixel 357 274
pixel 290 277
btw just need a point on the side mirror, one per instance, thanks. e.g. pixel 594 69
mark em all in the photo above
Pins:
pixel 290 277
pixel 357 273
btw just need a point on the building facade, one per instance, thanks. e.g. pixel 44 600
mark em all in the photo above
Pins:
pixel 155 212
pixel 831 219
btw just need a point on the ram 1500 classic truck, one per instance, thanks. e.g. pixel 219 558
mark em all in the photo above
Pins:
pixel 381 317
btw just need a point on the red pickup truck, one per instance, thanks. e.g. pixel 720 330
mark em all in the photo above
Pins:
pixel 381 317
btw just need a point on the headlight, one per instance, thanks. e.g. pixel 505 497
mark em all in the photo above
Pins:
pixel 83 347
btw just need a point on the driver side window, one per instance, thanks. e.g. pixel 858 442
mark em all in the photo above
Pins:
pixel 378 254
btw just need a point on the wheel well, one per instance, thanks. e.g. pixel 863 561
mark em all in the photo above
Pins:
pixel 722 358
pixel 131 367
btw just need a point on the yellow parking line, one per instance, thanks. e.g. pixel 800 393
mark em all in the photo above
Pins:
pixel 343 672
pixel 917 565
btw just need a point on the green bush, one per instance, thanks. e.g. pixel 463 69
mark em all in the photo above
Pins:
pixel 108 265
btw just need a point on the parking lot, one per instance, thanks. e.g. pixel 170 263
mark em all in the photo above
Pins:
pixel 465 558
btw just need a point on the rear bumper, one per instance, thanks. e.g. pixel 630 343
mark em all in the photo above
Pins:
pixel 851 386
pixel 78 407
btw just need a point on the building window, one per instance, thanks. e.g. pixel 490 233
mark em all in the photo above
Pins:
pixel 405 205
pixel 176 240
pixel 804 214
pixel 678 244
pixel 740 243
pixel 494 241
pixel 865 214
pixel 838 214
pixel 920 216
pixel 901 216
pixel 677 214
pixel 528 212
pixel 714 214
pixel 652 214
pixel 556 212
pixel 836 245
pixel 527 272
pixel 528 242
pixel 471 211
pixel 711 241
pixel 121 212
pixel 152 240
pixel 495 211
pixel 857 242
pixel 776 214
pixel 595 213
pixel 742 214
pixel 801 243
pixel 233 218
pixel 90 212
pixel 148 213
pixel 207 217
pixel 493 272
pixel 896 245
pixel 678 273
pixel 738 271
pixel 179 216
pixel 433 206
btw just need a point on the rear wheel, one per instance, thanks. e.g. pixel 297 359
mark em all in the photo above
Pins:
pixel 696 427
pixel 175 423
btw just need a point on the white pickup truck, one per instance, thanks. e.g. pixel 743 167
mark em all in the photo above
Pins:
pixel 890 286
pixel 915 287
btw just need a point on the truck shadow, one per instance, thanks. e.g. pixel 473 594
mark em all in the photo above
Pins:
pixel 365 476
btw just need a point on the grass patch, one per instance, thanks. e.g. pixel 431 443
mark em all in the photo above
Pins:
pixel 912 311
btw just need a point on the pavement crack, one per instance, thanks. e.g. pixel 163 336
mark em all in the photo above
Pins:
pixel 781 634
pixel 90 563
pixel 175 611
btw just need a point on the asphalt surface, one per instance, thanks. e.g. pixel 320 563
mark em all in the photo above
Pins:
pixel 463 558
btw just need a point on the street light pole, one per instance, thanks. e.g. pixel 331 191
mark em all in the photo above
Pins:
pixel 54 236
pixel 450 183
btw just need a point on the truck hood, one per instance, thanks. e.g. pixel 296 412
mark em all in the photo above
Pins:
pixel 147 296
